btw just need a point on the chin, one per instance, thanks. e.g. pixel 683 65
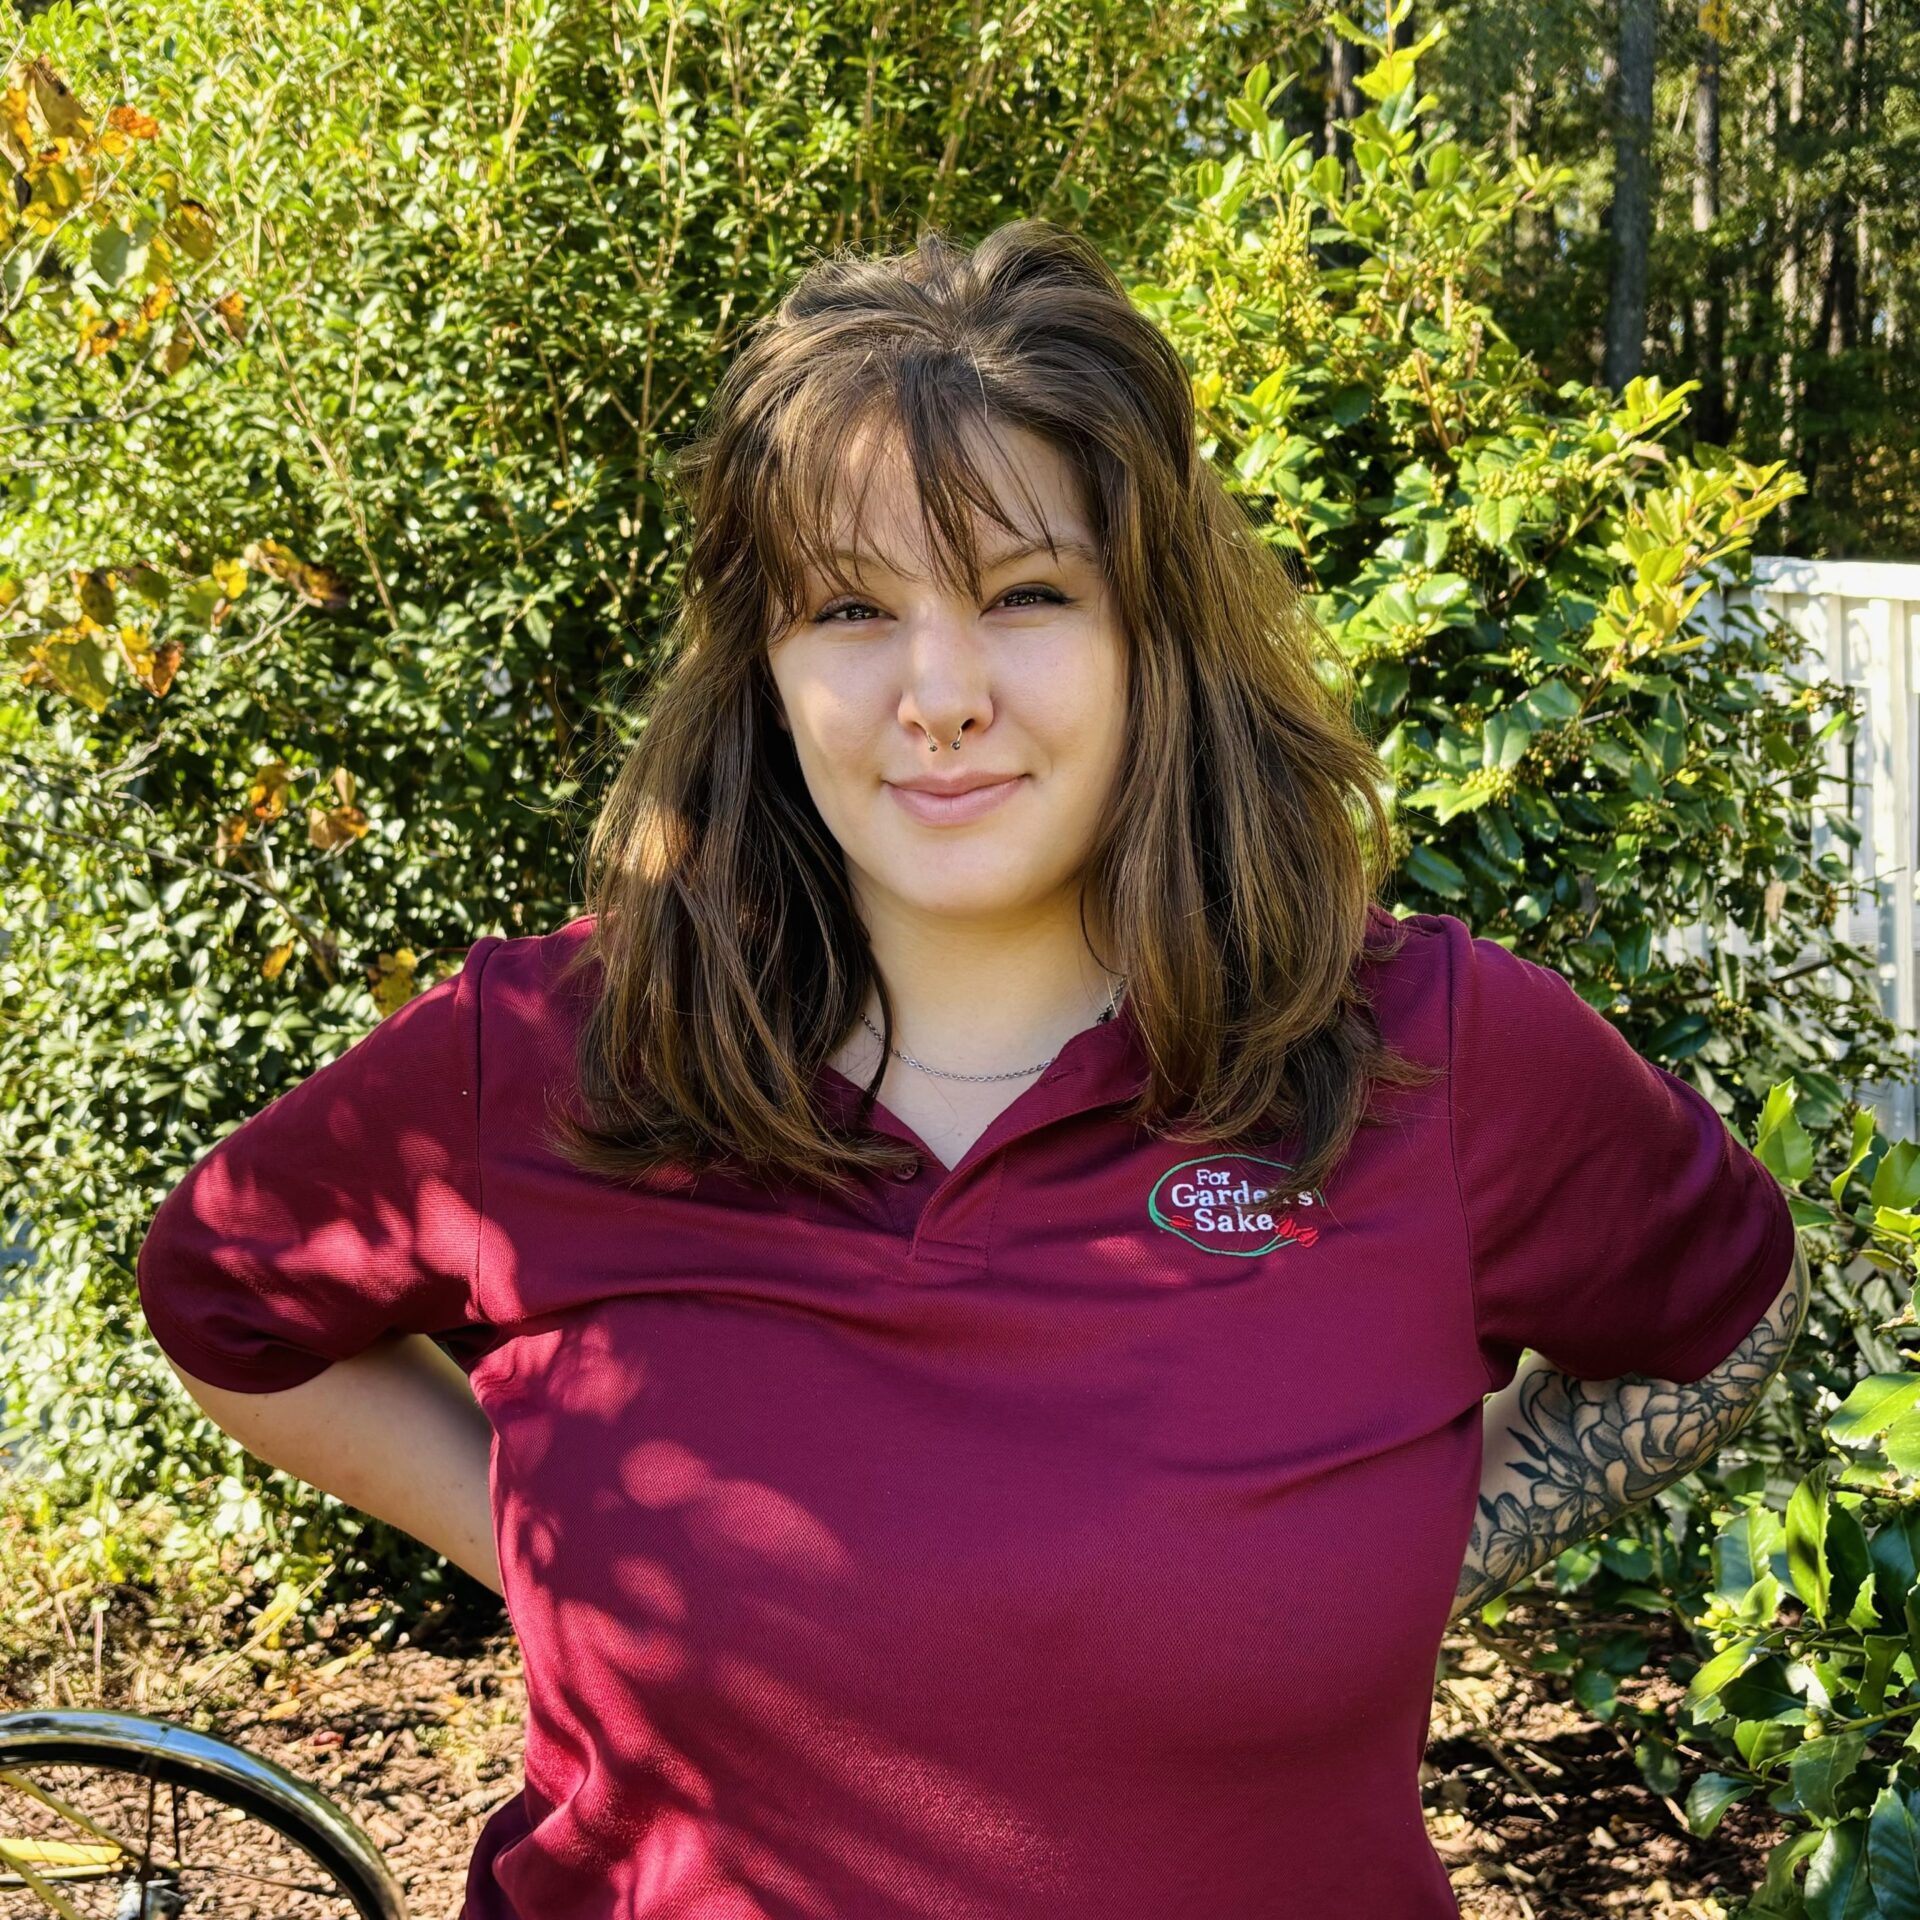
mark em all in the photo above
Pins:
pixel 944 894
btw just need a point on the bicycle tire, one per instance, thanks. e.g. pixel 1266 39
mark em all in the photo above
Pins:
pixel 220 1771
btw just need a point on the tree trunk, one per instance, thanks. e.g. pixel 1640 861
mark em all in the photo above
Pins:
pixel 1345 101
pixel 1843 299
pixel 1789 214
pixel 1836 329
pixel 1631 219
pixel 1710 299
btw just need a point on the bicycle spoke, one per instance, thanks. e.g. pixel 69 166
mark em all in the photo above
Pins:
pixel 52 1900
pixel 23 1785
pixel 89 1841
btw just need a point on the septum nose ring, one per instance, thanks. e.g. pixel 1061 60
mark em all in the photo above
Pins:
pixel 933 745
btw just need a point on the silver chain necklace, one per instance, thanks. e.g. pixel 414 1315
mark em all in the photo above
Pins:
pixel 1019 1073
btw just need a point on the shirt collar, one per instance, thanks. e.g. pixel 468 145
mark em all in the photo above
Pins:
pixel 1103 1064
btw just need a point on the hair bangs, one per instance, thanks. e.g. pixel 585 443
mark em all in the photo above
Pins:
pixel 840 436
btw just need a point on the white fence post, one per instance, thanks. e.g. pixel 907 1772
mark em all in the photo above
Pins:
pixel 1863 617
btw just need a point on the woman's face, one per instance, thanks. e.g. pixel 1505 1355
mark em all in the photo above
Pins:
pixel 1030 678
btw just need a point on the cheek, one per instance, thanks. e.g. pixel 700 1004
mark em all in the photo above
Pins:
pixel 1078 705
pixel 836 723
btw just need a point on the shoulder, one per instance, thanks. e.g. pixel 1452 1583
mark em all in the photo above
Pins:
pixel 528 996
pixel 534 978
pixel 1440 959
pixel 1406 969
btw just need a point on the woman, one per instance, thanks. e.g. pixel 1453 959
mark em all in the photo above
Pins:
pixel 976 1264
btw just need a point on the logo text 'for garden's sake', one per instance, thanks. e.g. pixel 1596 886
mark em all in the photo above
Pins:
pixel 1235 1204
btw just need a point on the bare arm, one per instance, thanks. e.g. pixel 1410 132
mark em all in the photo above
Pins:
pixel 1564 1457
pixel 394 1431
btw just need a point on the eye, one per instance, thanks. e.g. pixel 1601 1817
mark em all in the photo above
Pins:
pixel 840 606
pixel 1049 596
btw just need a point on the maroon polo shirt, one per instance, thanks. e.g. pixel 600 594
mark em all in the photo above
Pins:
pixel 1064 1535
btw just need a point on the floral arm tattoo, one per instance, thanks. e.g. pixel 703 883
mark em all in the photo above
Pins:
pixel 1564 1457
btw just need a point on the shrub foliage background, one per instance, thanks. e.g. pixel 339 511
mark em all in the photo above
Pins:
pixel 358 359
pixel 334 553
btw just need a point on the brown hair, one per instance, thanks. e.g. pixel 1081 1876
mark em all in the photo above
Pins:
pixel 1235 866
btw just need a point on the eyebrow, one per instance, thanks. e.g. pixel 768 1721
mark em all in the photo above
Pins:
pixel 1065 544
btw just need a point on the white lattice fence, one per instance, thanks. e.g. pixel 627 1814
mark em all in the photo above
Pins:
pixel 1863 619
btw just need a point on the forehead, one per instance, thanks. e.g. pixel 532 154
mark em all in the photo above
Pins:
pixel 990 491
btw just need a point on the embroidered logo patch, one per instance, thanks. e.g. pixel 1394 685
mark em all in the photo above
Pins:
pixel 1233 1203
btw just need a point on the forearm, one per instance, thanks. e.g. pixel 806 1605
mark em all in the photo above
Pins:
pixel 395 1432
pixel 1564 1457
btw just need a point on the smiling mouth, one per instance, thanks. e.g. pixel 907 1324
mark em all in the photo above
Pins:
pixel 955 809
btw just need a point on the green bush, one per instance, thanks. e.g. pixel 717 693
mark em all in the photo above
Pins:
pixel 1517 576
pixel 375 485
pixel 336 394
pixel 1595 755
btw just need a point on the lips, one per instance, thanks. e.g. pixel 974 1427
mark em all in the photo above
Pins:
pixel 965 783
pixel 955 805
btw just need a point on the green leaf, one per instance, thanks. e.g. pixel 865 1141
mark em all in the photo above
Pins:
pixel 1704 1689
pixel 1893 1854
pixel 1765 1692
pixel 1850 1567
pixel 1863 1132
pixel 1821 1766
pixel 1504 738
pixel 114 256
pixel 1895 1551
pixel 1434 871
pixel 1743 1552
pixel 1709 1798
pixel 1807 1569
pixel 1901 1442
pixel 81 666
pixel 1837 1885
pixel 1872 1405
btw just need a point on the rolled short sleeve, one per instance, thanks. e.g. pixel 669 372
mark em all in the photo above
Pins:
pixel 1616 1223
pixel 345 1209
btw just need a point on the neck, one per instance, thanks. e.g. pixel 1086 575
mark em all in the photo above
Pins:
pixel 974 998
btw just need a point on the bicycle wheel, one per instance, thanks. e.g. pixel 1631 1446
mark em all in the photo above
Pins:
pixel 117 1816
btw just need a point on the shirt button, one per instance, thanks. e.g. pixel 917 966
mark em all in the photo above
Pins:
pixel 907 1172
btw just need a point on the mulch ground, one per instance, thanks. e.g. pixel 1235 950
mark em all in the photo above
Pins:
pixel 1537 1810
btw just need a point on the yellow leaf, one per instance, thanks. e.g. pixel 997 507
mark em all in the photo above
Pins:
pixel 267 792
pixel 230 576
pixel 320 586
pixel 192 226
pixel 17 140
pixel 390 980
pixel 154 667
pixel 58 108
pixel 276 961
pixel 132 122
pixel 329 829
pixel 80 664
pixel 56 191
pixel 231 831
pixel 95 588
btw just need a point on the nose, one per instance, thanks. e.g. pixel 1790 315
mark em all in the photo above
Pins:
pixel 946 683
